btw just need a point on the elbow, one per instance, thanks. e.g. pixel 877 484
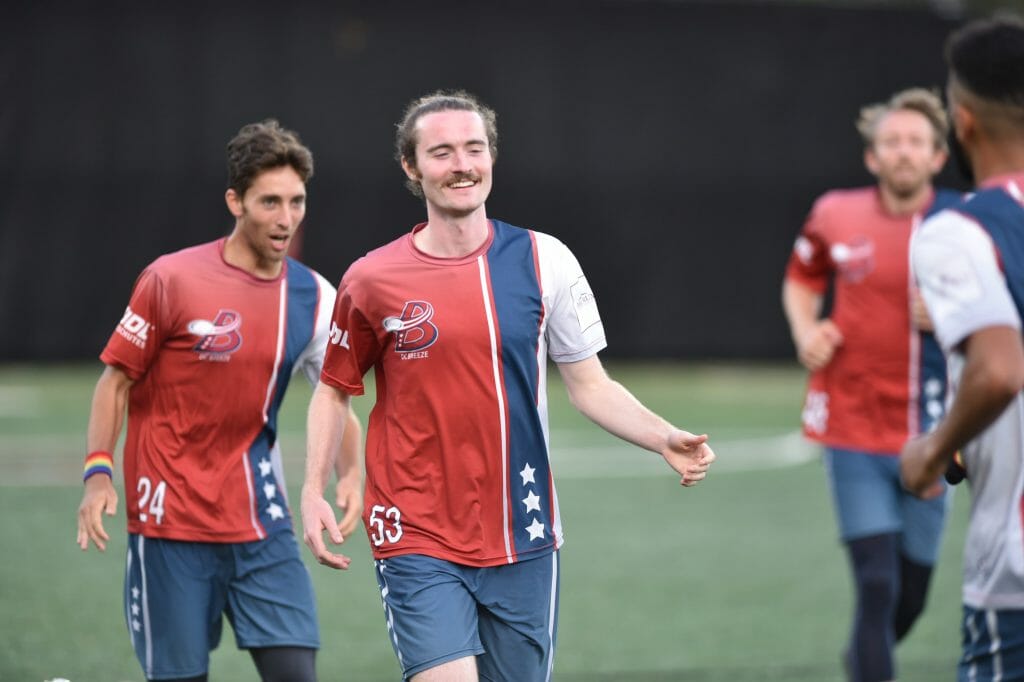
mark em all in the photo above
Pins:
pixel 1003 380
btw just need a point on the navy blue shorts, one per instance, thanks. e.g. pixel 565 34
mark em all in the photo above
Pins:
pixel 993 646
pixel 176 594
pixel 870 500
pixel 506 616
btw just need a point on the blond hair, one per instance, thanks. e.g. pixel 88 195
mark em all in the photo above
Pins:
pixel 925 102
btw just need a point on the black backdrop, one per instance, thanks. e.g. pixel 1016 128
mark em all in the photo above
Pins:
pixel 675 147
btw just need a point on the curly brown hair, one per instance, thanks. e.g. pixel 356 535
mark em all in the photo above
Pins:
pixel 261 146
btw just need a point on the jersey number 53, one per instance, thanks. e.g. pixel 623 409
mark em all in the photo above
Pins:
pixel 385 525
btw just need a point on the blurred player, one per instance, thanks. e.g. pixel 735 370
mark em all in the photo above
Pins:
pixel 874 379
pixel 457 319
pixel 201 360
pixel 969 263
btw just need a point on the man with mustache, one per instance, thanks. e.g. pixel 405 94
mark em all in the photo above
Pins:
pixel 877 376
pixel 458 319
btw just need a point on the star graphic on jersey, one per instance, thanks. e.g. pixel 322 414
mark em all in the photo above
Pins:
pixel 136 625
pixel 264 467
pixel 269 489
pixel 527 474
pixel 532 502
pixel 275 511
pixel 535 529
pixel 135 609
pixel 135 593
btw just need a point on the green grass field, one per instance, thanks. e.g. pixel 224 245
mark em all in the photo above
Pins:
pixel 738 579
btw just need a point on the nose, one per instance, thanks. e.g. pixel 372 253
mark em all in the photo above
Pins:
pixel 460 161
pixel 288 217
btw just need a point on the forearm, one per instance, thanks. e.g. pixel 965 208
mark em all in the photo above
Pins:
pixel 325 429
pixel 992 377
pixel 802 307
pixel 349 463
pixel 611 406
pixel 106 416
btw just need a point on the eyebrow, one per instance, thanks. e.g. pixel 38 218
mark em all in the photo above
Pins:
pixel 448 145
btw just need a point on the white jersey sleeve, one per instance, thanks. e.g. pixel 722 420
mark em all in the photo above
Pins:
pixel 573 325
pixel 955 264
pixel 311 360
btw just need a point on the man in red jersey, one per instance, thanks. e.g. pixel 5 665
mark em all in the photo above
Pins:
pixel 875 376
pixel 458 319
pixel 201 360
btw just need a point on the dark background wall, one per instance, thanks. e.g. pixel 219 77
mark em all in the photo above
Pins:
pixel 675 147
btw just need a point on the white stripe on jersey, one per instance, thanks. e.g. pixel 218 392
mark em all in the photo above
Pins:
pixel 485 290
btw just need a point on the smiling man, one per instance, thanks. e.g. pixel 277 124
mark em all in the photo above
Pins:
pixel 458 318
pixel 201 360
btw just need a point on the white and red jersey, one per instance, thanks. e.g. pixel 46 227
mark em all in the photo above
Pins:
pixel 211 349
pixel 969 262
pixel 886 381
pixel 457 443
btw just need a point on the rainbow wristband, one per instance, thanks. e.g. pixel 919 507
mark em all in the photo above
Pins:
pixel 99 462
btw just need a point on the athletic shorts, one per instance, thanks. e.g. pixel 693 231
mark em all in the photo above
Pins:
pixel 993 646
pixel 869 500
pixel 175 594
pixel 506 616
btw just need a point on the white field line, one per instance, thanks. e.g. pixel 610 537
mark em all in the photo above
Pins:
pixel 56 460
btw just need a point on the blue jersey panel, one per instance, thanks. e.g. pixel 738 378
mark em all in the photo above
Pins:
pixel 518 306
pixel 302 299
pixel 932 381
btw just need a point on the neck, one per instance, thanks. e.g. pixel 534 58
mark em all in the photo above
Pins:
pixel 905 205
pixel 448 236
pixel 242 256
pixel 994 159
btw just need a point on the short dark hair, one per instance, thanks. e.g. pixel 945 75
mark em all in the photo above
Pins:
pixel 261 146
pixel 441 100
pixel 986 57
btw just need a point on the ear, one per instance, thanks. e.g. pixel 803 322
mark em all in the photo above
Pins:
pixel 965 123
pixel 234 203
pixel 411 171
pixel 871 161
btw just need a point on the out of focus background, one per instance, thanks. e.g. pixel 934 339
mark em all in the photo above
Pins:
pixel 675 146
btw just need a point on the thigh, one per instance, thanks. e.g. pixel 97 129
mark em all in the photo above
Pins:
pixel 519 620
pixel 430 613
pixel 923 521
pixel 174 597
pixel 993 646
pixel 865 493
pixel 270 596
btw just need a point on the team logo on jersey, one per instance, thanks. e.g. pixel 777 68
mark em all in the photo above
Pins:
pixel 220 337
pixel 413 330
pixel 855 259
pixel 134 328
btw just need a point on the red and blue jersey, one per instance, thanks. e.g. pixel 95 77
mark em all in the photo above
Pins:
pixel 211 349
pixel 887 381
pixel 457 460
